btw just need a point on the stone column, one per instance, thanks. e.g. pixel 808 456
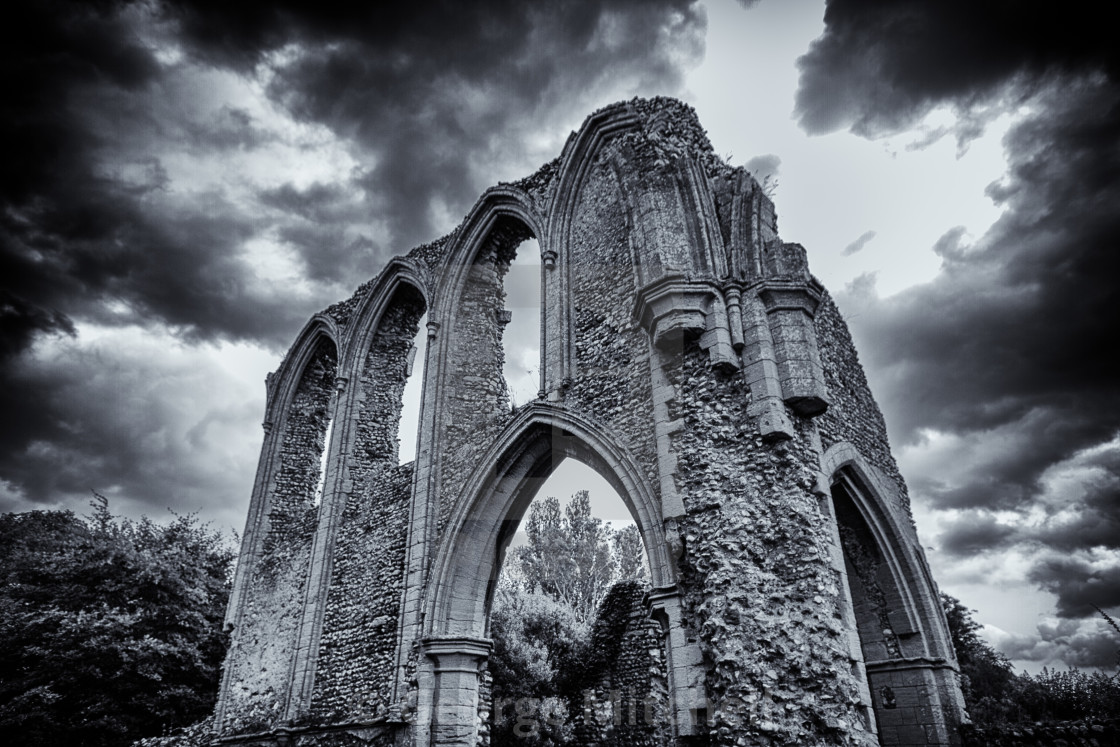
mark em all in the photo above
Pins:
pixel 790 311
pixel 454 709
pixel 685 664
pixel 762 373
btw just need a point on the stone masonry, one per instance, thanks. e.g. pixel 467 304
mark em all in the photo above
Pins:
pixel 688 355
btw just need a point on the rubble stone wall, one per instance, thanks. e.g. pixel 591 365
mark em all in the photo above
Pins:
pixel 257 683
pixel 358 646
pixel 756 573
pixel 690 356
pixel 612 356
pixel 477 400
pixel 621 691
pixel 853 415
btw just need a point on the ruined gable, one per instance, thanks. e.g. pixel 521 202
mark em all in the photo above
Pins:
pixel 689 356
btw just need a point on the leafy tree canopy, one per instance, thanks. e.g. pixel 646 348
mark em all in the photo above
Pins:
pixel 110 629
pixel 545 604
pixel 574 557
pixel 994 694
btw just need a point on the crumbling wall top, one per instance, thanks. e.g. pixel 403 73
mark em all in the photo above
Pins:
pixel 668 127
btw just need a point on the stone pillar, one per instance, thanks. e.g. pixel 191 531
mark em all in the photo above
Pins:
pixel 790 313
pixel 791 296
pixel 762 374
pixel 456 663
pixel 685 664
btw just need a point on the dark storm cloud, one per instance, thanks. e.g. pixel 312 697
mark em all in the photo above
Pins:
pixel 112 110
pixel 443 96
pixel 1070 642
pixel 882 64
pixel 88 229
pixel 1008 348
pixel 974 533
pixel 1079 585
pixel 230 129
pixel 1096 524
pixel 47 49
pixel 132 419
pixel 1068 542
pixel 316 221
pixel 1004 356
pixel 438 99
pixel 1021 318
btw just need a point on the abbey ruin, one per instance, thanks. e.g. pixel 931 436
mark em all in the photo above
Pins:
pixel 687 355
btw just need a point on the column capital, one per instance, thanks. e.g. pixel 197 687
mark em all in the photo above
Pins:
pixel 791 296
pixel 451 648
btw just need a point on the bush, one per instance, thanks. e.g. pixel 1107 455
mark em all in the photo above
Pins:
pixel 110 629
pixel 994 694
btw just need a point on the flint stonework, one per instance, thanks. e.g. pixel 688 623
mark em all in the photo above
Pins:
pixel 689 356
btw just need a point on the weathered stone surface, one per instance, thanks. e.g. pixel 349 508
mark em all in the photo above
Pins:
pixel 689 356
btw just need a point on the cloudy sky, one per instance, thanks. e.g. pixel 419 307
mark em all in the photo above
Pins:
pixel 185 182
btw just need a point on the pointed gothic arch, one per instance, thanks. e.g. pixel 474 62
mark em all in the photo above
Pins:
pixel 497 495
pixel 896 615
pixel 688 356
pixel 279 532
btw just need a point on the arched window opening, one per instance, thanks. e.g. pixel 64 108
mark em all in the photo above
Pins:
pixel 576 540
pixel 305 446
pixel 570 623
pixel 413 390
pixel 521 341
pixel 317 496
pixel 371 507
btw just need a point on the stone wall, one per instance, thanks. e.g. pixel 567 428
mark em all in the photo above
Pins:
pixel 621 693
pixel 477 400
pixel 257 683
pixel 853 415
pixel 688 355
pixel 756 571
pixel 612 356
pixel 358 646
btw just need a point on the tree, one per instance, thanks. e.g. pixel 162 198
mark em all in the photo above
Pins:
pixel 988 682
pixel 995 695
pixel 535 637
pixel 630 554
pixel 568 556
pixel 543 609
pixel 110 629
